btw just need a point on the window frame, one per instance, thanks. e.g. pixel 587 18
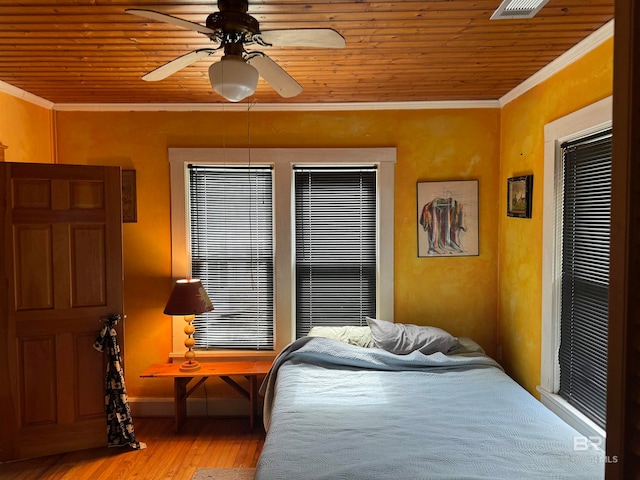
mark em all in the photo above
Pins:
pixel 583 122
pixel 229 233
pixel 324 259
pixel 282 160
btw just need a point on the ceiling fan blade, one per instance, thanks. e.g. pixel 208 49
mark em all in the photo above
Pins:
pixel 274 75
pixel 176 64
pixel 305 37
pixel 162 17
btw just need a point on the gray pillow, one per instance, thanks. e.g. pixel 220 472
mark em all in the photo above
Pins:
pixel 467 347
pixel 401 338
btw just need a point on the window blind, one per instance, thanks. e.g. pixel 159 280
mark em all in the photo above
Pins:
pixel 335 230
pixel 231 220
pixel 585 274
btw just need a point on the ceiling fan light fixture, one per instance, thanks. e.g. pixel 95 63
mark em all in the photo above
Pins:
pixel 233 78
pixel 510 9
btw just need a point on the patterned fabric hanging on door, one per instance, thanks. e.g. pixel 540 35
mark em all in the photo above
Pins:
pixel 119 422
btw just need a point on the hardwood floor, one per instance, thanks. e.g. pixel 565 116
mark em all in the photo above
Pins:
pixel 203 443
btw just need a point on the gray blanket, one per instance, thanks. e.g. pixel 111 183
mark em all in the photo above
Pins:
pixel 337 411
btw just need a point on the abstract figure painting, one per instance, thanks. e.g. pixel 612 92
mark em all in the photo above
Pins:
pixel 448 218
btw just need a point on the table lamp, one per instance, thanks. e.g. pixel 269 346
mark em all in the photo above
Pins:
pixel 188 298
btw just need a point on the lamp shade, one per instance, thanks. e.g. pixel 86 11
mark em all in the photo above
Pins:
pixel 188 298
pixel 233 78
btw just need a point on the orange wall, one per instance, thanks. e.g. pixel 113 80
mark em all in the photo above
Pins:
pixel 27 130
pixel 522 152
pixel 458 294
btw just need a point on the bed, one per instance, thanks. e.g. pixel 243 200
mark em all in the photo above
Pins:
pixel 339 411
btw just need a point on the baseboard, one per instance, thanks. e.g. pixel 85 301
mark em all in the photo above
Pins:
pixel 196 407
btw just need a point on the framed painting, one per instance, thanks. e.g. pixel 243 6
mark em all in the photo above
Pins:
pixel 519 196
pixel 447 218
pixel 129 200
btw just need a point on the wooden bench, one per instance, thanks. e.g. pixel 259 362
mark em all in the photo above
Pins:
pixel 224 370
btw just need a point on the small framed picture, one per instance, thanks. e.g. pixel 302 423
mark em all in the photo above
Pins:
pixel 519 196
pixel 129 200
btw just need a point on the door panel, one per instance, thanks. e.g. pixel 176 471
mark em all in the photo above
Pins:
pixel 38 380
pixel 33 245
pixel 89 367
pixel 31 193
pixel 89 275
pixel 86 195
pixel 61 254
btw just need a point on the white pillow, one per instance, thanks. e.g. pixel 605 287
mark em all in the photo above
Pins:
pixel 353 335
pixel 401 338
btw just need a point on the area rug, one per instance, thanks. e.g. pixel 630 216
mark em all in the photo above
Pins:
pixel 224 474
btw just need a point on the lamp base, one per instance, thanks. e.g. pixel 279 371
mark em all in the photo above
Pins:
pixel 190 366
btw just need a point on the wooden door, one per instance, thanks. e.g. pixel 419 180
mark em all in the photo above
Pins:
pixel 61 261
pixel 623 385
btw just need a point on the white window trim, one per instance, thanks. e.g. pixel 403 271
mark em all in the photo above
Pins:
pixel 583 122
pixel 282 160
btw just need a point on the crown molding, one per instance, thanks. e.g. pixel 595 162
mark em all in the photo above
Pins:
pixel 273 107
pixel 579 50
pixel 24 95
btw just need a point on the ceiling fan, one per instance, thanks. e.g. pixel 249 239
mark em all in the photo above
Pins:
pixel 235 76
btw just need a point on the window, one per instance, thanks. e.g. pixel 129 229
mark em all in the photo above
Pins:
pixel 575 264
pixel 584 306
pixel 335 225
pixel 277 167
pixel 231 232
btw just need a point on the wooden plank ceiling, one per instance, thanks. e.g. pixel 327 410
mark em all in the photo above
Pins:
pixel 91 51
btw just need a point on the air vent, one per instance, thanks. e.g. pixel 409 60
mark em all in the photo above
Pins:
pixel 518 9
